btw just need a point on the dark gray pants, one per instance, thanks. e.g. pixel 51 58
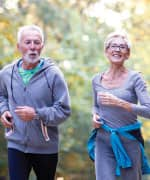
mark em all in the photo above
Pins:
pixel 105 163
pixel 20 165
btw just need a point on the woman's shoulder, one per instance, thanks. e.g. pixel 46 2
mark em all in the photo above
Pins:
pixel 97 79
pixel 135 74
pixel 97 76
pixel 136 77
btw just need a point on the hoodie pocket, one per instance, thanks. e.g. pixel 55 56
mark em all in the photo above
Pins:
pixel 35 134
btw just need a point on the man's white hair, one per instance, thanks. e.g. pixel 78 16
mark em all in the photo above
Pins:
pixel 120 33
pixel 29 27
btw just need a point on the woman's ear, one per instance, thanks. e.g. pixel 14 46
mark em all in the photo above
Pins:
pixel 106 52
pixel 128 54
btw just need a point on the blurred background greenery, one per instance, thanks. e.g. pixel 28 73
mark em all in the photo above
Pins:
pixel 75 31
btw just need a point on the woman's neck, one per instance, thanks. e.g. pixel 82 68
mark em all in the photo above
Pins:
pixel 116 71
pixel 114 77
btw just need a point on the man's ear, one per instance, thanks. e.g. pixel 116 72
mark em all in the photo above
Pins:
pixel 42 45
pixel 18 46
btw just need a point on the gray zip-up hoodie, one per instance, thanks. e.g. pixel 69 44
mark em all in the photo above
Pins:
pixel 47 92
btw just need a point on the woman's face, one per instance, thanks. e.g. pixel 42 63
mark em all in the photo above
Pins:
pixel 117 51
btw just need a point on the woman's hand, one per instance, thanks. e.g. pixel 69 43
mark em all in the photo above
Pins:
pixel 96 123
pixel 111 100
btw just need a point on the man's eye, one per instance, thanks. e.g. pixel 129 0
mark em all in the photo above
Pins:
pixel 27 42
pixel 37 42
pixel 123 47
pixel 34 42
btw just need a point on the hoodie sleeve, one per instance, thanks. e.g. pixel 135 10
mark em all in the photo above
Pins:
pixel 60 110
pixel 3 95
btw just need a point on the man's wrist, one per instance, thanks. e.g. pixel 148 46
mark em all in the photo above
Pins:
pixel 36 116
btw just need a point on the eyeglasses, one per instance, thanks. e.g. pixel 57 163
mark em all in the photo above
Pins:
pixel 121 47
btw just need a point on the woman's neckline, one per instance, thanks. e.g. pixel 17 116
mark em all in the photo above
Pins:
pixel 115 87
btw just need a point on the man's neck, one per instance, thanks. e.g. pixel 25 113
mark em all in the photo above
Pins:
pixel 28 66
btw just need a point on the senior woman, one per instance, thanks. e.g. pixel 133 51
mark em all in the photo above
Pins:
pixel 119 96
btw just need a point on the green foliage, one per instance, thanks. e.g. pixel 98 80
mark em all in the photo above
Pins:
pixel 74 39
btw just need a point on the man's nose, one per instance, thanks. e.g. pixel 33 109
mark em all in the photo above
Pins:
pixel 32 45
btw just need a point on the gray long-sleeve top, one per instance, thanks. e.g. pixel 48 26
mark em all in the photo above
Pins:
pixel 47 92
pixel 133 90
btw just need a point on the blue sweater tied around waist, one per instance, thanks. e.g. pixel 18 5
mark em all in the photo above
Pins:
pixel 121 156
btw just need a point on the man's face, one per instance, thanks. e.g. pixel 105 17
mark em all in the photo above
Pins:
pixel 30 46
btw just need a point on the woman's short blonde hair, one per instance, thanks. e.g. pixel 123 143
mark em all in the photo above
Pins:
pixel 114 34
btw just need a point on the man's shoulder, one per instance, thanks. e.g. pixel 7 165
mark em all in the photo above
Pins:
pixel 48 60
pixel 51 66
pixel 10 65
pixel 7 67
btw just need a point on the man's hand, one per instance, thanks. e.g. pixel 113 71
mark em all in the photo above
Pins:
pixel 25 113
pixel 6 119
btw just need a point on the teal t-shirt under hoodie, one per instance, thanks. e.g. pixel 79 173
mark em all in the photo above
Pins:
pixel 27 74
